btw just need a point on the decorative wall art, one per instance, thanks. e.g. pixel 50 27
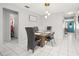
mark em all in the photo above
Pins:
pixel 32 18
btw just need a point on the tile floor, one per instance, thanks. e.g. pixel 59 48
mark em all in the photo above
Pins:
pixel 69 46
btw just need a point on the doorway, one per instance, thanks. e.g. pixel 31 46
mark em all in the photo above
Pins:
pixel 69 27
pixel 10 26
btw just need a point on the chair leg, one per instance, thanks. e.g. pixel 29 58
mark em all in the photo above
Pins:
pixel 33 51
pixel 27 49
pixel 53 42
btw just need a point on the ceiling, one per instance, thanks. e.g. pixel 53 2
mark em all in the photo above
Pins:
pixel 53 8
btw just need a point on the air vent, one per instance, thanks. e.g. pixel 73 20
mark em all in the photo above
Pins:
pixel 27 6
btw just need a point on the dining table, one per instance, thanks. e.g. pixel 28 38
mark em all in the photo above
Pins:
pixel 43 37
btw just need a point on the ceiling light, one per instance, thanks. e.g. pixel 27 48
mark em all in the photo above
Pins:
pixel 45 17
pixel 48 14
pixel 47 4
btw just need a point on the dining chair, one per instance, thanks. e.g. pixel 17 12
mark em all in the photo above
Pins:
pixel 36 29
pixel 51 38
pixel 31 38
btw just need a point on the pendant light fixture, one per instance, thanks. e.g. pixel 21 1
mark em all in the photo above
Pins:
pixel 47 12
pixel 47 4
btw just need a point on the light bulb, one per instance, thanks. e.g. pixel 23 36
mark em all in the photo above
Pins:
pixel 48 14
pixel 45 17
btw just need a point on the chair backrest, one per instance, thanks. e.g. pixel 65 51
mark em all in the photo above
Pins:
pixel 36 29
pixel 31 37
pixel 49 28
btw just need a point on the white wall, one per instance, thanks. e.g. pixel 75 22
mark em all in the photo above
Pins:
pixel 16 22
pixel 23 22
pixel 1 33
pixel 56 21
pixel 6 25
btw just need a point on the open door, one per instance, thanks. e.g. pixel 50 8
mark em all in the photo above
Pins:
pixel 10 25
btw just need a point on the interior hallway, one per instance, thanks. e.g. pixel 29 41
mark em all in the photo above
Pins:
pixel 66 47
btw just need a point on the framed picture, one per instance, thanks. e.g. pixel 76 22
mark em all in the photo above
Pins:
pixel 32 18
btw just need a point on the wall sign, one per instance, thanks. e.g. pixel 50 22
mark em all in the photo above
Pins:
pixel 32 18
